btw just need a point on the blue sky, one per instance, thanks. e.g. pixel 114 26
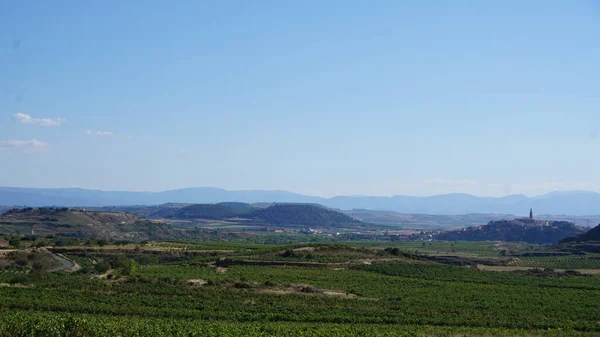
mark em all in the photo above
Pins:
pixel 317 97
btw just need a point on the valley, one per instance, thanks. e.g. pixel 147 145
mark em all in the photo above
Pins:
pixel 260 269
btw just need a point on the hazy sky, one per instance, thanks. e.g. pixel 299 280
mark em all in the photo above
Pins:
pixel 318 97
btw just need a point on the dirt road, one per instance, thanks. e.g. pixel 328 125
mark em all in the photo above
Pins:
pixel 65 264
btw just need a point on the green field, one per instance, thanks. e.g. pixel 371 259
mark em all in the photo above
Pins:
pixel 567 262
pixel 482 248
pixel 350 291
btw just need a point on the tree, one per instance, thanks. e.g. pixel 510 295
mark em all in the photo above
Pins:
pixel 102 267
pixel 38 271
pixel 15 242
pixel 130 268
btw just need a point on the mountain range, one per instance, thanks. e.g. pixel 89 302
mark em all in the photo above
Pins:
pixel 570 202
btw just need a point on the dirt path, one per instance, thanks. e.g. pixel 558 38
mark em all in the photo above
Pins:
pixel 305 290
pixel 65 264
pixel 197 282
pixel 5 252
pixel 15 285
pixel 105 275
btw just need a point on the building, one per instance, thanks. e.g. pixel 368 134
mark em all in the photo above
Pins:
pixel 531 213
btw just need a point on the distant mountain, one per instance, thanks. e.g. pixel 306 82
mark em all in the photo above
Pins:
pixel 39 197
pixel 571 203
pixel 518 230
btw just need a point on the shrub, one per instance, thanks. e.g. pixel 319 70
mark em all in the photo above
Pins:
pixel 41 244
pixel 15 242
pixel 102 267
pixel 270 283
pixel 19 279
pixel 130 268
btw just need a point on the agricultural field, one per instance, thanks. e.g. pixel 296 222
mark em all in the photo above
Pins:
pixel 477 248
pixel 230 289
pixel 566 262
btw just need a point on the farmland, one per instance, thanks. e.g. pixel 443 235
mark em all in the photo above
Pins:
pixel 228 289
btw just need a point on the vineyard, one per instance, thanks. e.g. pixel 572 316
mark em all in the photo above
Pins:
pixel 22 324
pixel 558 263
pixel 82 261
pixel 375 292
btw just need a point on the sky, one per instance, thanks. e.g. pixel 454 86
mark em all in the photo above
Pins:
pixel 323 98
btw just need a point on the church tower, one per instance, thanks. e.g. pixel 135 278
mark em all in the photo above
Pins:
pixel 531 213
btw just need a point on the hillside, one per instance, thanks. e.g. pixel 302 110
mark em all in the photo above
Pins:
pixel 593 235
pixel 85 224
pixel 518 230
pixel 82 223
pixel 286 215
pixel 291 215
pixel 221 211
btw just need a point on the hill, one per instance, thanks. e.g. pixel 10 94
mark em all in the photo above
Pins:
pixel 285 215
pixel 291 215
pixel 572 203
pixel 593 235
pixel 517 230
pixel 220 211
pixel 85 224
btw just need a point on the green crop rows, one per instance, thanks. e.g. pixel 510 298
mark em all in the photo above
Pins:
pixel 385 298
pixel 559 263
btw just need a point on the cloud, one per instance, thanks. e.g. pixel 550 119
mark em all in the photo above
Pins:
pixel 100 133
pixel 32 145
pixel 108 134
pixel 27 119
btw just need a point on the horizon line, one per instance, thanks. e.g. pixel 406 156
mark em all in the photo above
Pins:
pixel 301 194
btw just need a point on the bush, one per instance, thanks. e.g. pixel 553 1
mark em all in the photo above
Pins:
pixel 393 251
pixel 130 268
pixel 145 260
pixel 270 283
pixel 19 279
pixel 41 244
pixel 15 242
pixel 288 253
pixel 242 285
pixel 119 261
pixel 102 267
pixel 64 242
pixel 85 271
